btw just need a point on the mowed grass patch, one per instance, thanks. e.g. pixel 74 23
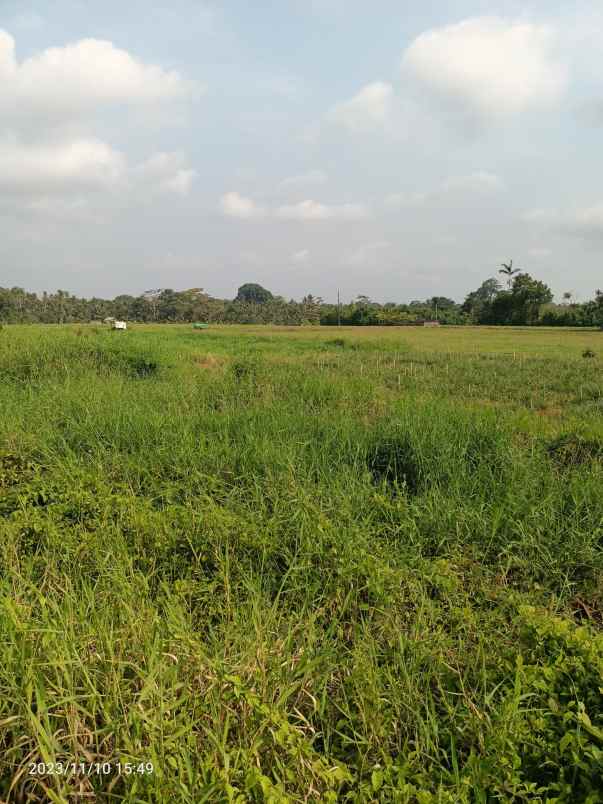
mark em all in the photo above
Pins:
pixel 307 572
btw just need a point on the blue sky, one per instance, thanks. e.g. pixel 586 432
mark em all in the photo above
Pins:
pixel 392 149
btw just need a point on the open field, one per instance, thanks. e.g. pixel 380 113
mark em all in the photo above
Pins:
pixel 292 565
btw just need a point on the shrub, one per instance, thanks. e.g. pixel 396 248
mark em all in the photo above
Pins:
pixel 394 461
pixel 573 450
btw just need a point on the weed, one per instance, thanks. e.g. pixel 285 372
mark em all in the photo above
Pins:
pixel 573 450
pixel 358 572
pixel 395 462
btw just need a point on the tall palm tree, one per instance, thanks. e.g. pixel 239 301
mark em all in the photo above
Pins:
pixel 508 271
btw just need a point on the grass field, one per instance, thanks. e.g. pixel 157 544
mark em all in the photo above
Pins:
pixel 292 565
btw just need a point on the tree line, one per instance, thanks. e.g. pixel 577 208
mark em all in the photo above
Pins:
pixel 524 301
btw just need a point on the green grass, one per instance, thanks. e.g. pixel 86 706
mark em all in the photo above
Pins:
pixel 293 565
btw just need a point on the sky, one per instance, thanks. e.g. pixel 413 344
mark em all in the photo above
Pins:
pixel 393 149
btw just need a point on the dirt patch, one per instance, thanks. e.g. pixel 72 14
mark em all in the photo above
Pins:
pixel 550 412
pixel 207 362
pixel 279 360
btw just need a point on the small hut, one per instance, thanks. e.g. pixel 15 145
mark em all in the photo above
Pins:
pixel 114 324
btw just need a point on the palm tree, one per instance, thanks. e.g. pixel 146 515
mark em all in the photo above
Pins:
pixel 508 271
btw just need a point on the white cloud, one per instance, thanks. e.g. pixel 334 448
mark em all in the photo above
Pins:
pixel 234 205
pixel 180 183
pixel 314 211
pixel 48 169
pixel 63 83
pixel 301 256
pixel 313 177
pixel 491 66
pixel 48 165
pixel 367 110
pixel 32 173
pixel 167 172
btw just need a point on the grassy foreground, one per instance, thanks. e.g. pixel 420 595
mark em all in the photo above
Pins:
pixel 301 565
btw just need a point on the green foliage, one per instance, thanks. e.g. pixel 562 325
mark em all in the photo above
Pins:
pixel 283 569
pixel 251 292
pixel 572 449
pixel 526 301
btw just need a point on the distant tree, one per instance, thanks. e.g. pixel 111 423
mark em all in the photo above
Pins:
pixel 478 303
pixel 311 309
pixel 520 304
pixel 508 271
pixel 527 301
pixel 598 305
pixel 152 298
pixel 528 295
pixel 252 292
pixel 168 305
pixel 500 311
pixel 363 311
pixel 567 297
pixel 441 302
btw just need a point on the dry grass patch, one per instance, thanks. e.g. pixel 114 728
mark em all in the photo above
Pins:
pixel 550 412
pixel 208 361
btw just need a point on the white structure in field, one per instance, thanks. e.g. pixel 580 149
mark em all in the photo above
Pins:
pixel 119 325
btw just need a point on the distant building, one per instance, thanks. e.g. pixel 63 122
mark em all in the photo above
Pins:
pixel 118 325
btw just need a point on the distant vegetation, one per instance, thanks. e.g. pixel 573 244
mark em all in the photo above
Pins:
pixel 526 301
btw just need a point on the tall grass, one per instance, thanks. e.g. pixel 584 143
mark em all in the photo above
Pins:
pixel 280 568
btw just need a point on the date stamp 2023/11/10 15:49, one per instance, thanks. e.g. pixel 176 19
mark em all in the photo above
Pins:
pixel 107 768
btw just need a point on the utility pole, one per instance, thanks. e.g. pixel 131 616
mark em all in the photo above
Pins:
pixel 338 309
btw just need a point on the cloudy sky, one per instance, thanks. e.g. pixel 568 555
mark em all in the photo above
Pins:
pixel 389 148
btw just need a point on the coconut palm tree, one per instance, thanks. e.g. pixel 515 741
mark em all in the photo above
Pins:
pixel 508 271
pixel 568 296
